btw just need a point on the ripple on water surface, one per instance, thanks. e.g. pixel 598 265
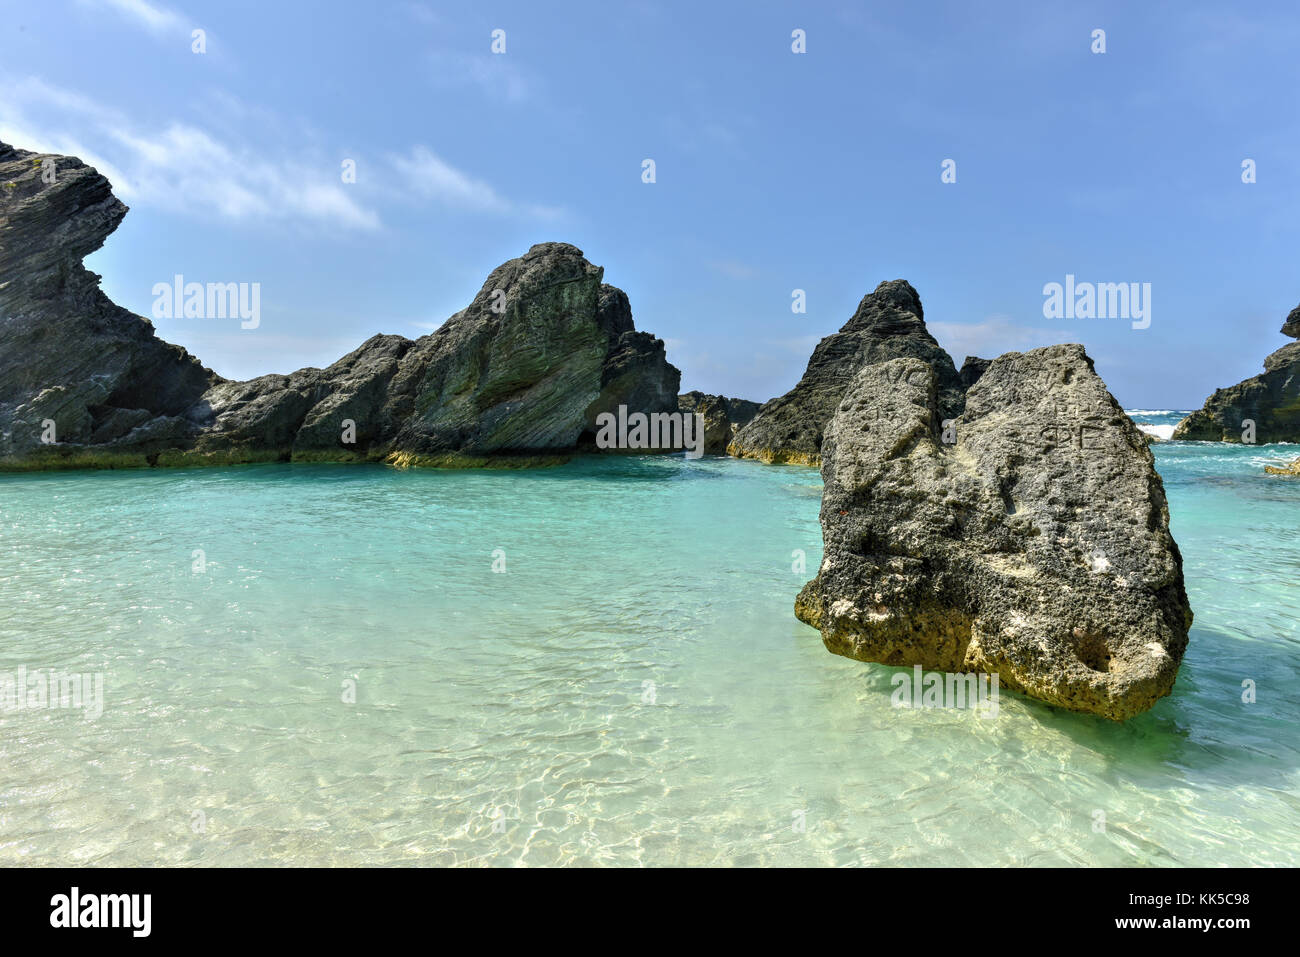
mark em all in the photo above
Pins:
pixel 632 688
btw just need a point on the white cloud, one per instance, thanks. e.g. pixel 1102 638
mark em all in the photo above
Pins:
pixel 16 134
pixel 799 345
pixel 427 175
pixel 218 172
pixel 420 13
pixel 495 76
pixel 994 336
pixel 151 16
pixel 183 168
pixel 733 269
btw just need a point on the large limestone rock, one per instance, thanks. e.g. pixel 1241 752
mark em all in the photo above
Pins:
pixel 517 377
pixel 722 417
pixel 888 324
pixel 1036 546
pixel 1270 400
pixel 68 355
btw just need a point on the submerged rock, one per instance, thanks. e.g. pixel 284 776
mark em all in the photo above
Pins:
pixel 517 377
pixel 1288 468
pixel 722 417
pixel 888 324
pixel 1271 401
pixel 1034 546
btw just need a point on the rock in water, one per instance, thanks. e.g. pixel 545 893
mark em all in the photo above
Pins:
pixel 1271 401
pixel 517 377
pixel 722 417
pixel 888 324
pixel 1287 468
pixel 1035 546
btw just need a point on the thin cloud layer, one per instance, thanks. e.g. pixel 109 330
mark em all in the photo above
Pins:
pixel 201 173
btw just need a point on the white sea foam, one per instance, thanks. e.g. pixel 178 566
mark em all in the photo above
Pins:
pixel 1165 432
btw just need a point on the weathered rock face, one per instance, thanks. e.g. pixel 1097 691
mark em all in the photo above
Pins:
pixel 971 370
pixel 1271 400
pixel 888 324
pixel 1291 327
pixel 1035 547
pixel 67 354
pixel 516 377
pixel 722 417
pixel 636 372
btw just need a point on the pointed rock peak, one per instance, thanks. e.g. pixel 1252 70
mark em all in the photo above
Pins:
pixel 54 211
pixel 892 308
pixel 1292 325
pixel 614 311
pixel 972 369
pixel 899 293
pixel 542 250
pixel 543 266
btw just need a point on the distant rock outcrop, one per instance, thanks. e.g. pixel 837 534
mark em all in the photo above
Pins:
pixel 517 377
pixel 971 370
pixel 888 324
pixel 1271 401
pixel 1030 541
pixel 722 417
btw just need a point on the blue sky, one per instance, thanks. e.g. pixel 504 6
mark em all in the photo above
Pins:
pixel 775 171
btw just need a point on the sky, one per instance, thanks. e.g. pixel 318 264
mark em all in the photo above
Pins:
pixel 821 171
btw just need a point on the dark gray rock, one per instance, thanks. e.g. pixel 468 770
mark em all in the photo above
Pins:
pixel 67 353
pixel 1291 327
pixel 971 370
pixel 636 372
pixel 516 377
pixel 888 324
pixel 1271 401
pixel 1035 547
pixel 722 417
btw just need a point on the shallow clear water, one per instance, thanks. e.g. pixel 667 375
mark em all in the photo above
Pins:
pixel 633 688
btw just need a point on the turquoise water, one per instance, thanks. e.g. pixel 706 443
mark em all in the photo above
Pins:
pixel 632 688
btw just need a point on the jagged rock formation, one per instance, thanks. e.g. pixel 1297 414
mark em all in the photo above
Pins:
pixel 971 370
pixel 888 324
pixel 1271 401
pixel 722 417
pixel 517 377
pixel 1035 546
pixel 67 354
pixel 636 372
